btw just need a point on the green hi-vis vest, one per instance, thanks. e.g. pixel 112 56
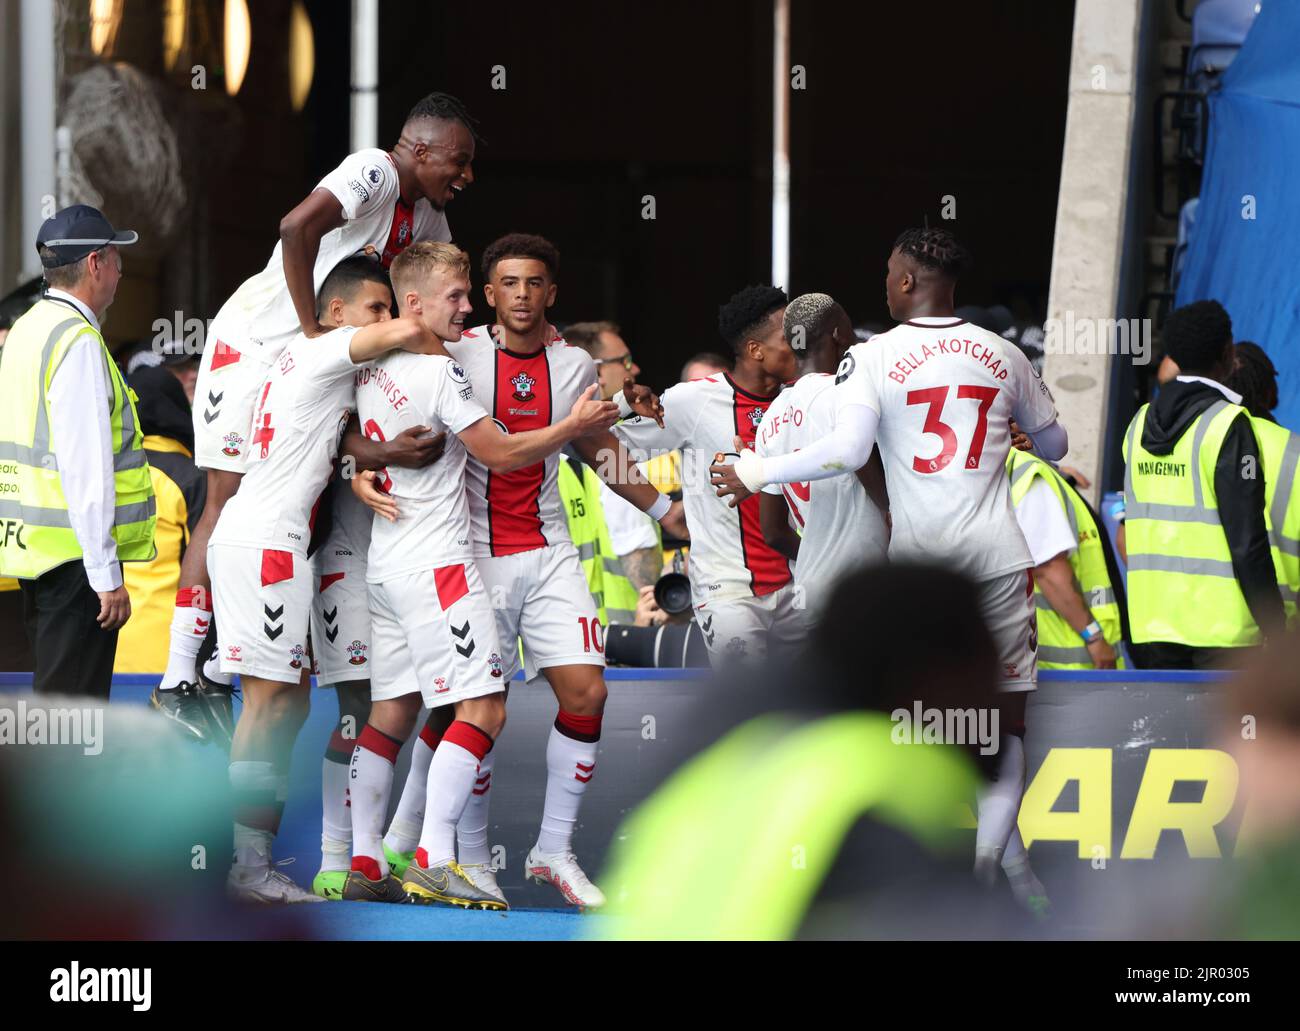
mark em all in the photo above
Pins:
pixel 778 798
pixel 35 530
pixel 1181 585
pixel 613 592
pixel 1059 644
pixel 1280 450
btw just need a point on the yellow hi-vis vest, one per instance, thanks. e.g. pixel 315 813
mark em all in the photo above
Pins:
pixel 35 530
pixel 1181 585
pixel 780 797
pixel 1059 644
pixel 612 591
pixel 1279 449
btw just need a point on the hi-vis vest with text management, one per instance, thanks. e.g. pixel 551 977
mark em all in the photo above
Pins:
pixel 1059 645
pixel 1181 585
pixel 35 529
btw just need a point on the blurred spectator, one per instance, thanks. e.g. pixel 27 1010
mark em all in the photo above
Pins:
pixel 706 363
pixel 1254 377
pixel 1201 580
pixel 636 556
pixel 165 392
pixel 837 827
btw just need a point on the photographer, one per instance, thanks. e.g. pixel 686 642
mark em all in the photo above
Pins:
pixel 664 634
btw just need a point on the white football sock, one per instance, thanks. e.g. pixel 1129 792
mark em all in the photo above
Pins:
pixel 999 802
pixel 408 820
pixel 451 780
pixel 189 626
pixel 336 820
pixel 570 765
pixel 1020 875
pixel 252 789
pixel 212 669
pixel 472 830
pixel 371 780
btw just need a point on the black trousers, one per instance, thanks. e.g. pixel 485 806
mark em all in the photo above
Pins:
pixel 1167 655
pixel 74 655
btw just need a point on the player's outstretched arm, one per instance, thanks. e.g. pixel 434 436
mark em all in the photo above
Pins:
pixel 774 517
pixel 1051 442
pixel 300 235
pixel 504 452
pixel 610 460
pixel 374 341
pixel 844 450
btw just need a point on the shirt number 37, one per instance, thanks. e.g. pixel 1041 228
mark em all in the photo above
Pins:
pixel 935 398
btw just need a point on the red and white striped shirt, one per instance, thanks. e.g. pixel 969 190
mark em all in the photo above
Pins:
pixel 521 510
pixel 729 558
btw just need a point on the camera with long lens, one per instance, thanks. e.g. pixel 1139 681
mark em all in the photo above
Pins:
pixel 673 594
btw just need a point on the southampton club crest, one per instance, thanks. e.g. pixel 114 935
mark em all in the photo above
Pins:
pixel 755 417
pixel 494 663
pixel 523 384
pixel 233 443
pixel 357 653
pixel 296 655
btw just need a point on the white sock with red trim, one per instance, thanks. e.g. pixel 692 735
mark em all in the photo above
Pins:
pixel 570 765
pixel 336 815
pixel 999 802
pixel 190 620
pixel 472 830
pixel 408 821
pixel 371 776
pixel 451 780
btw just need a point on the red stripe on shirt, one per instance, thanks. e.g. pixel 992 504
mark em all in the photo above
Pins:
pixel 521 401
pixel 768 569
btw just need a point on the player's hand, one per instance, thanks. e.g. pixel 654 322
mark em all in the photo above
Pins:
pixel 314 330
pixel 1103 655
pixel 674 522
pixel 648 612
pixel 1020 441
pixel 114 608
pixel 1080 481
pixel 726 482
pixel 644 401
pixel 411 449
pixel 365 485
pixel 590 416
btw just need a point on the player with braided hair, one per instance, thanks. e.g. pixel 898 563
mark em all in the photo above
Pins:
pixel 938 394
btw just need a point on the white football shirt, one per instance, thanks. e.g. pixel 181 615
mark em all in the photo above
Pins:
pixel 520 510
pixel 397 392
pixel 729 558
pixel 301 413
pixel 945 391
pixel 840 526
pixel 377 221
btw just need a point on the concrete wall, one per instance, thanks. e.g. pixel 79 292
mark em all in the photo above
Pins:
pixel 1091 215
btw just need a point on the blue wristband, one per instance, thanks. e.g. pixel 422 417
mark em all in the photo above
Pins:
pixel 1090 633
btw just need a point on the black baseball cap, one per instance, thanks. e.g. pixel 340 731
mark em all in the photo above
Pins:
pixel 76 231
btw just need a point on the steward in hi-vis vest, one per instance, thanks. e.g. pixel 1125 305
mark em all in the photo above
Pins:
pixel 76 498
pixel 1201 581
pixel 1080 621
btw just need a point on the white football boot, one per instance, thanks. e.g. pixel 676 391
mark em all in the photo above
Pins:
pixel 265 884
pixel 481 876
pixel 566 875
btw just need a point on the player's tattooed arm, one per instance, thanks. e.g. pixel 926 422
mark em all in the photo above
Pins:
pixel 301 231
pixel 643 566
pixel 774 516
pixel 505 452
